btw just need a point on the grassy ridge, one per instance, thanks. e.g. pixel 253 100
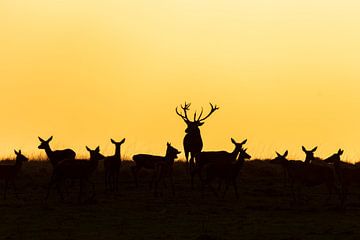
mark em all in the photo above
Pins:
pixel 264 210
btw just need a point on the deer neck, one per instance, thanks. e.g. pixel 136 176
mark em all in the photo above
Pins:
pixel 240 162
pixel 48 151
pixel 117 152
pixel 18 164
pixel 235 153
pixel 169 159
pixel 94 163
pixel 308 159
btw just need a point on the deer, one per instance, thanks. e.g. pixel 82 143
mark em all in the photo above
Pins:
pixel 215 156
pixel 192 141
pixel 303 174
pixel 112 166
pixel 155 164
pixel 346 174
pixel 76 169
pixel 226 171
pixel 9 173
pixel 58 155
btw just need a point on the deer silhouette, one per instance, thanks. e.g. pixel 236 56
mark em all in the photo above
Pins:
pixel 215 156
pixel 346 174
pixel 112 166
pixel 75 169
pixel 303 174
pixel 224 171
pixel 192 141
pixel 309 154
pixel 155 164
pixel 55 156
pixel 8 173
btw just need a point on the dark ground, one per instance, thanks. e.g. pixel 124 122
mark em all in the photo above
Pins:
pixel 264 210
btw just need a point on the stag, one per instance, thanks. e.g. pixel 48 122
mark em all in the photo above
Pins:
pixel 192 141
pixel 55 156
pixel 112 166
pixel 8 173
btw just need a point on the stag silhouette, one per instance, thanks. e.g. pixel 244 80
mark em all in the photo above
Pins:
pixel 192 141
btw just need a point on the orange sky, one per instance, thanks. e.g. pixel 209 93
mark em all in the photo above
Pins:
pixel 284 74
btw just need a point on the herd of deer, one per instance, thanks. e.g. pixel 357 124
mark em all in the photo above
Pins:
pixel 209 166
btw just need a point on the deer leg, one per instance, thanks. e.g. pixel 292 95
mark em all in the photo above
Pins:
pixel 191 162
pixel 187 162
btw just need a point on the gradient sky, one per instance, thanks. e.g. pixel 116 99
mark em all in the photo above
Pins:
pixel 284 73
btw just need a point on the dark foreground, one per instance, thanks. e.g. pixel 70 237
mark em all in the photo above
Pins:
pixel 264 210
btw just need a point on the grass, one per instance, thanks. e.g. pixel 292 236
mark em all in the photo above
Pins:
pixel 264 210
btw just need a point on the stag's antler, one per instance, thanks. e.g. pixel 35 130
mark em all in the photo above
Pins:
pixel 185 108
pixel 213 109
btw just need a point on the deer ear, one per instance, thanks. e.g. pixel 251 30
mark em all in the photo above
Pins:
pixel 340 152
pixel 50 138
pixel 87 148
pixel 112 140
pixel 303 148
pixel 41 140
pixel 286 153
pixel 278 154
pixel 122 141
pixel 168 144
pixel 97 149
pixel 16 152
pixel 243 142
pixel 233 141
pixel 314 149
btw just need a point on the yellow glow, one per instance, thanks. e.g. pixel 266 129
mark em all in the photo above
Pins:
pixel 284 73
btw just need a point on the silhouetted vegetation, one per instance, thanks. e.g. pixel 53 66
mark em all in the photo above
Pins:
pixel 264 210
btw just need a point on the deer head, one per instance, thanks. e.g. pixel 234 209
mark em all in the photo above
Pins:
pixel 280 159
pixel 309 154
pixel 171 151
pixel 44 143
pixel 20 157
pixel 335 158
pixel 193 126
